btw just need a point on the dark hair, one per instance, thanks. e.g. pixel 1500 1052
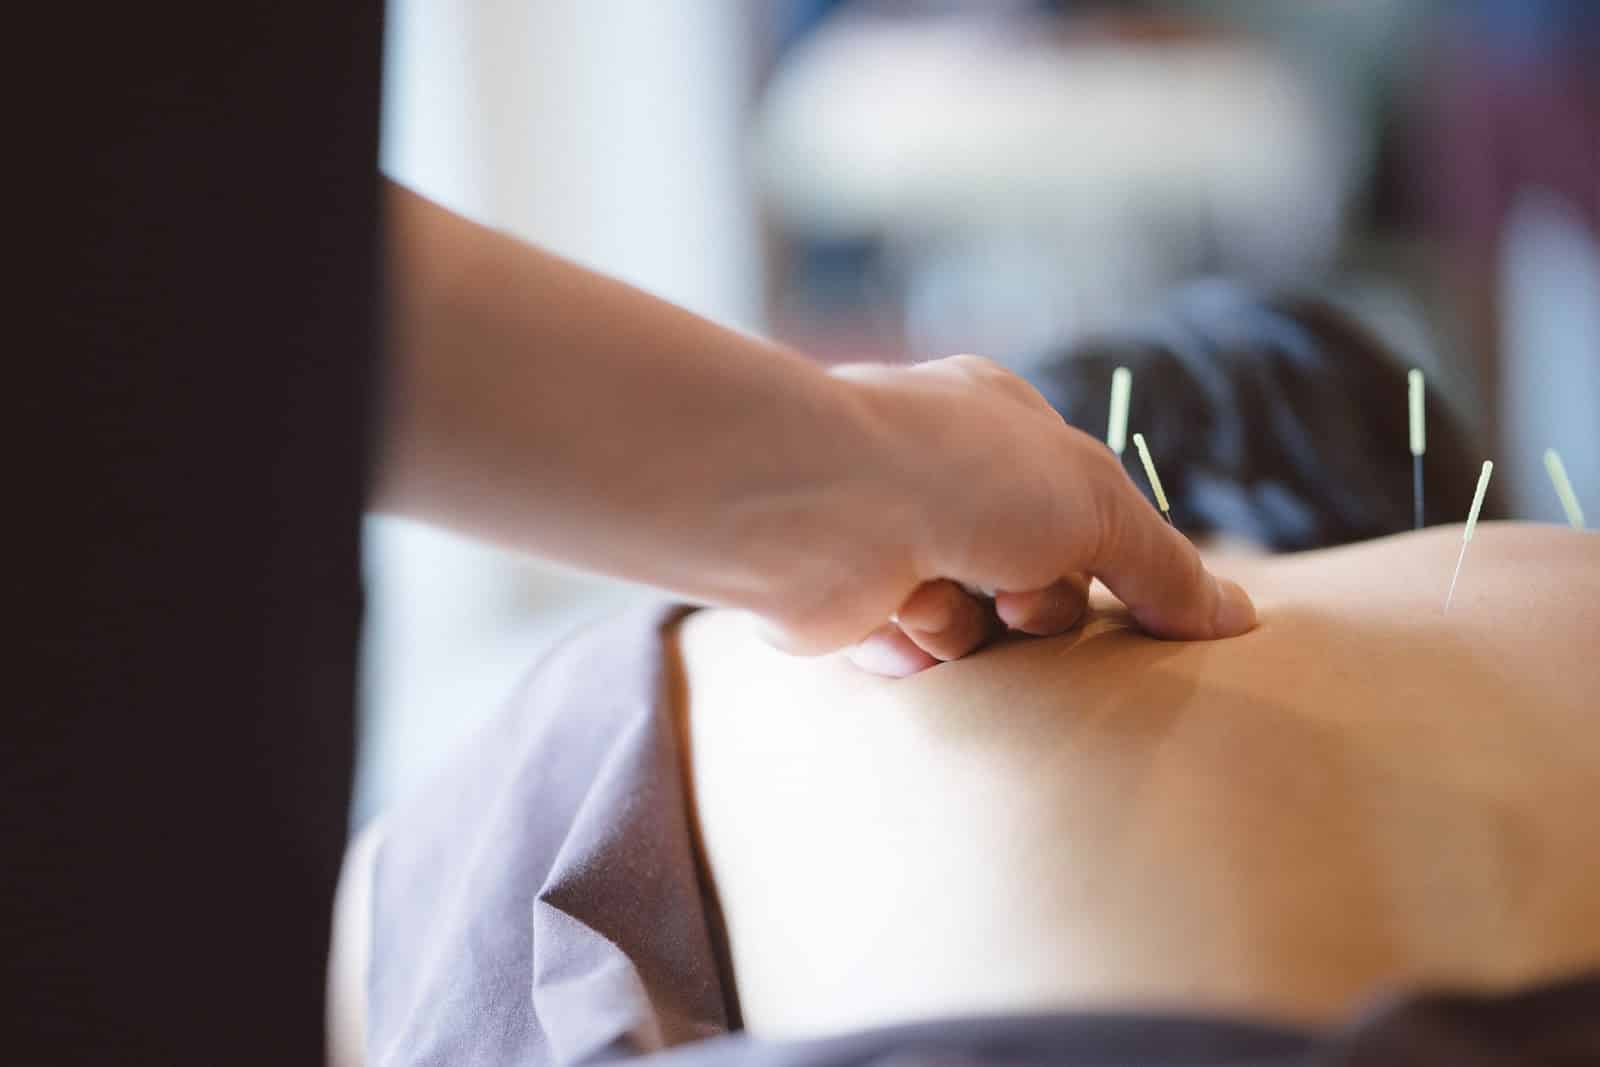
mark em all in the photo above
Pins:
pixel 1277 418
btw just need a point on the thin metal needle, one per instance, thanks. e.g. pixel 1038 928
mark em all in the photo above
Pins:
pixel 1472 524
pixel 1416 491
pixel 1460 559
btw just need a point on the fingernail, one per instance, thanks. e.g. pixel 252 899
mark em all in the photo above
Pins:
pixel 1028 620
pixel 1235 613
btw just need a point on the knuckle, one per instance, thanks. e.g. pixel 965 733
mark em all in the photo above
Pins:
pixel 980 367
pixel 856 371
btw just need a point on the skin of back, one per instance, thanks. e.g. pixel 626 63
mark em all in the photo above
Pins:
pixel 1364 795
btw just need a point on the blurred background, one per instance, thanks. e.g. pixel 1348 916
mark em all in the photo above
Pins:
pixel 867 179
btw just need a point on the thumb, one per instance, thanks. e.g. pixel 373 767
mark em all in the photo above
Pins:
pixel 1158 573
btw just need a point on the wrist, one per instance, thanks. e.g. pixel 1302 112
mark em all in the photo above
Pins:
pixel 840 536
pixel 890 450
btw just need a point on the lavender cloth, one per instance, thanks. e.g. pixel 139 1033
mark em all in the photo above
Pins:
pixel 540 904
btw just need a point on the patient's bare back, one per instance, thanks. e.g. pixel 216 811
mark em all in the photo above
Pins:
pixel 1363 793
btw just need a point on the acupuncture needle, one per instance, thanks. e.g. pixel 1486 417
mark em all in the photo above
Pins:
pixel 1472 522
pixel 1419 441
pixel 1155 479
pixel 1558 477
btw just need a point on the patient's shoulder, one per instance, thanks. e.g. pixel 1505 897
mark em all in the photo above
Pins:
pixel 1515 560
pixel 1528 589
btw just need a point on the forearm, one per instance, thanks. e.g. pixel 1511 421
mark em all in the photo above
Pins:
pixel 547 408
pixel 550 409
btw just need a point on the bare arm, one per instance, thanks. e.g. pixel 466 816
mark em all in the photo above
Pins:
pixel 551 409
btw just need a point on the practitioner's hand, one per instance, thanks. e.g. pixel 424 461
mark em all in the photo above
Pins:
pixel 976 482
